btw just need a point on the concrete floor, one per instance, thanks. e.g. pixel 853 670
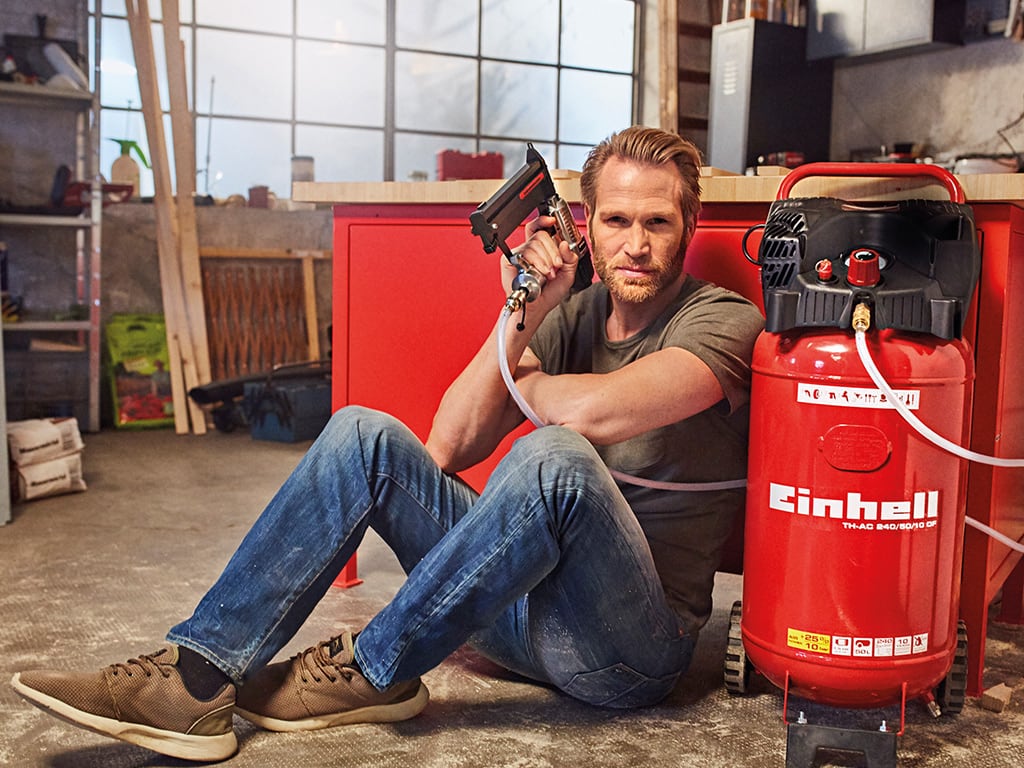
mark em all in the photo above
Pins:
pixel 97 577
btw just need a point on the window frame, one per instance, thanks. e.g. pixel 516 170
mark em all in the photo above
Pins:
pixel 476 140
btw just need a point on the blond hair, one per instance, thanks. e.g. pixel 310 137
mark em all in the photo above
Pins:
pixel 648 146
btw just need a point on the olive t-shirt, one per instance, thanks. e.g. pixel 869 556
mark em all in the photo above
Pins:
pixel 685 529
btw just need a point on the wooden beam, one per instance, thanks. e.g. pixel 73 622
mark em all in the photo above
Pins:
pixel 219 252
pixel 309 300
pixel 166 229
pixel 668 65
pixel 185 176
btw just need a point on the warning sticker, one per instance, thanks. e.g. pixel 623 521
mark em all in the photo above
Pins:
pixel 808 641
pixel 863 647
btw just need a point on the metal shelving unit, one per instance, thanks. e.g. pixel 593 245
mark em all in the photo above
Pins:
pixel 87 226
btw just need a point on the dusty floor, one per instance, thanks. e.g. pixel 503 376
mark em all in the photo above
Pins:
pixel 97 577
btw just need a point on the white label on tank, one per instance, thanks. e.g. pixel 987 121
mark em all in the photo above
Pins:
pixel 841 645
pixel 853 397
pixel 860 646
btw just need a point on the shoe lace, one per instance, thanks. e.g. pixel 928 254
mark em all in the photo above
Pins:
pixel 146 664
pixel 317 663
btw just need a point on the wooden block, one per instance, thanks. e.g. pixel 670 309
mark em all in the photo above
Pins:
pixel 996 698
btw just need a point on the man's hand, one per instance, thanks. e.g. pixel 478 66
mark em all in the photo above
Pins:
pixel 550 257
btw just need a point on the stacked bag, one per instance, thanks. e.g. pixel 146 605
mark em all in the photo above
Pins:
pixel 46 457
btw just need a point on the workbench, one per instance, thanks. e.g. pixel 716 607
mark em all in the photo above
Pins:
pixel 414 295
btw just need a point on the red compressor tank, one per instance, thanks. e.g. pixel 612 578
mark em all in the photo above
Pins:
pixel 854 522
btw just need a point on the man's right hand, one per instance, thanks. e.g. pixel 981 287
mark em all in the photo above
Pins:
pixel 550 257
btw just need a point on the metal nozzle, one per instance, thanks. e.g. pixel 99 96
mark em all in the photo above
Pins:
pixel 526 286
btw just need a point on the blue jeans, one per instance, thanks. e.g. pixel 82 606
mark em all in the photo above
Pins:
pixel 547 572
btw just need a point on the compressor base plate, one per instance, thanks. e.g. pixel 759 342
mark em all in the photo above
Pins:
pixel 804 740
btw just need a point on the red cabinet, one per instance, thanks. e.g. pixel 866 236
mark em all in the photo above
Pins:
pixel 415 295
pixel 995 496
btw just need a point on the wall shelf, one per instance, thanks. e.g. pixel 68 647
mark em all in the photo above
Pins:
pixel 79 371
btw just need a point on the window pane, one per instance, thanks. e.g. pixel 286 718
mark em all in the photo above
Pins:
pixel 252 74
pixel 245 14
pixel 421 24
pixel 416 154
pixel 518 100
pixel 526 30
pixel 337 83
pixel 598 34
pixel 435 93
pixel 571 157
pixel 119 124
pixel 515 153
pixel 593 104
pixel 120 86
pixel 117 8
pixel 244 154
pixel 354 21
pixel 342 154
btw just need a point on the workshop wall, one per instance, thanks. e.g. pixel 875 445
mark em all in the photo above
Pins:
pixel 952 100
pixel 131 267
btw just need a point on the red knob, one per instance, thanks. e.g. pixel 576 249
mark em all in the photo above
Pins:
pixel 862 269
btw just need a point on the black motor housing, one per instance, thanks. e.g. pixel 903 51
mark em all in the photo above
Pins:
pixel 928 252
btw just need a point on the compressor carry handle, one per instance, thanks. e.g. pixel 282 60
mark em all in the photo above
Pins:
pixel 947 179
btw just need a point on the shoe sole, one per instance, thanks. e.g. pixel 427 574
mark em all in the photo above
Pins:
pixel 171 743
pixel 380 713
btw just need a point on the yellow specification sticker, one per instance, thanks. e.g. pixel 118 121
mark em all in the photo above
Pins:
pixel 808 641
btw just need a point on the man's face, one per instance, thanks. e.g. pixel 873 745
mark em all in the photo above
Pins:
pixel 637 229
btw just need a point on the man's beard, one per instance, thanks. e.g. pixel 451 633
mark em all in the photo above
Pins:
pixel 631 290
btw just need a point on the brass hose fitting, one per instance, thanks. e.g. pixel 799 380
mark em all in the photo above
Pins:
pixel 861 317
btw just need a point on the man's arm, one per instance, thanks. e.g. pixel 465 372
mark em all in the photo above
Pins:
pixel 477 411
pixel 662 388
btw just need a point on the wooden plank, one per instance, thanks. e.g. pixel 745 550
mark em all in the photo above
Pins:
pixel 164 213
pixel 668 64
pixel 309 301
pixel 185 174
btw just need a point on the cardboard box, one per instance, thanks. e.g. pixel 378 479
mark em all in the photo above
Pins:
pixel 287 411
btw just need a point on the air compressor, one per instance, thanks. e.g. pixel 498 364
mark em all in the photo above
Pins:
pixel 854 523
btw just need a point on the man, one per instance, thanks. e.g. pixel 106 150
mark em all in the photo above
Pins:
pixel 554 571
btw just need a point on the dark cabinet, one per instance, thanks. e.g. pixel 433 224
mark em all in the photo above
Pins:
pixel 765 96
pixel 838 28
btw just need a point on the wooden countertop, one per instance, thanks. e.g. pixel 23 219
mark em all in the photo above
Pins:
pixel 717 187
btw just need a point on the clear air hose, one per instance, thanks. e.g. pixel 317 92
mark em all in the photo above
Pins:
pixel 517 396
pixel 873 372
pixel 935 438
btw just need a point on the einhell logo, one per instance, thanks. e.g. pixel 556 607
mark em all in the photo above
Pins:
pixel 921 511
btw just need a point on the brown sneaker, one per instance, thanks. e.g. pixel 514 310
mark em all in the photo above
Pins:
pixel 320 688
pixel 142 701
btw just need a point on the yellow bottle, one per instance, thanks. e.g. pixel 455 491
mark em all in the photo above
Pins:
pixel 124 169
